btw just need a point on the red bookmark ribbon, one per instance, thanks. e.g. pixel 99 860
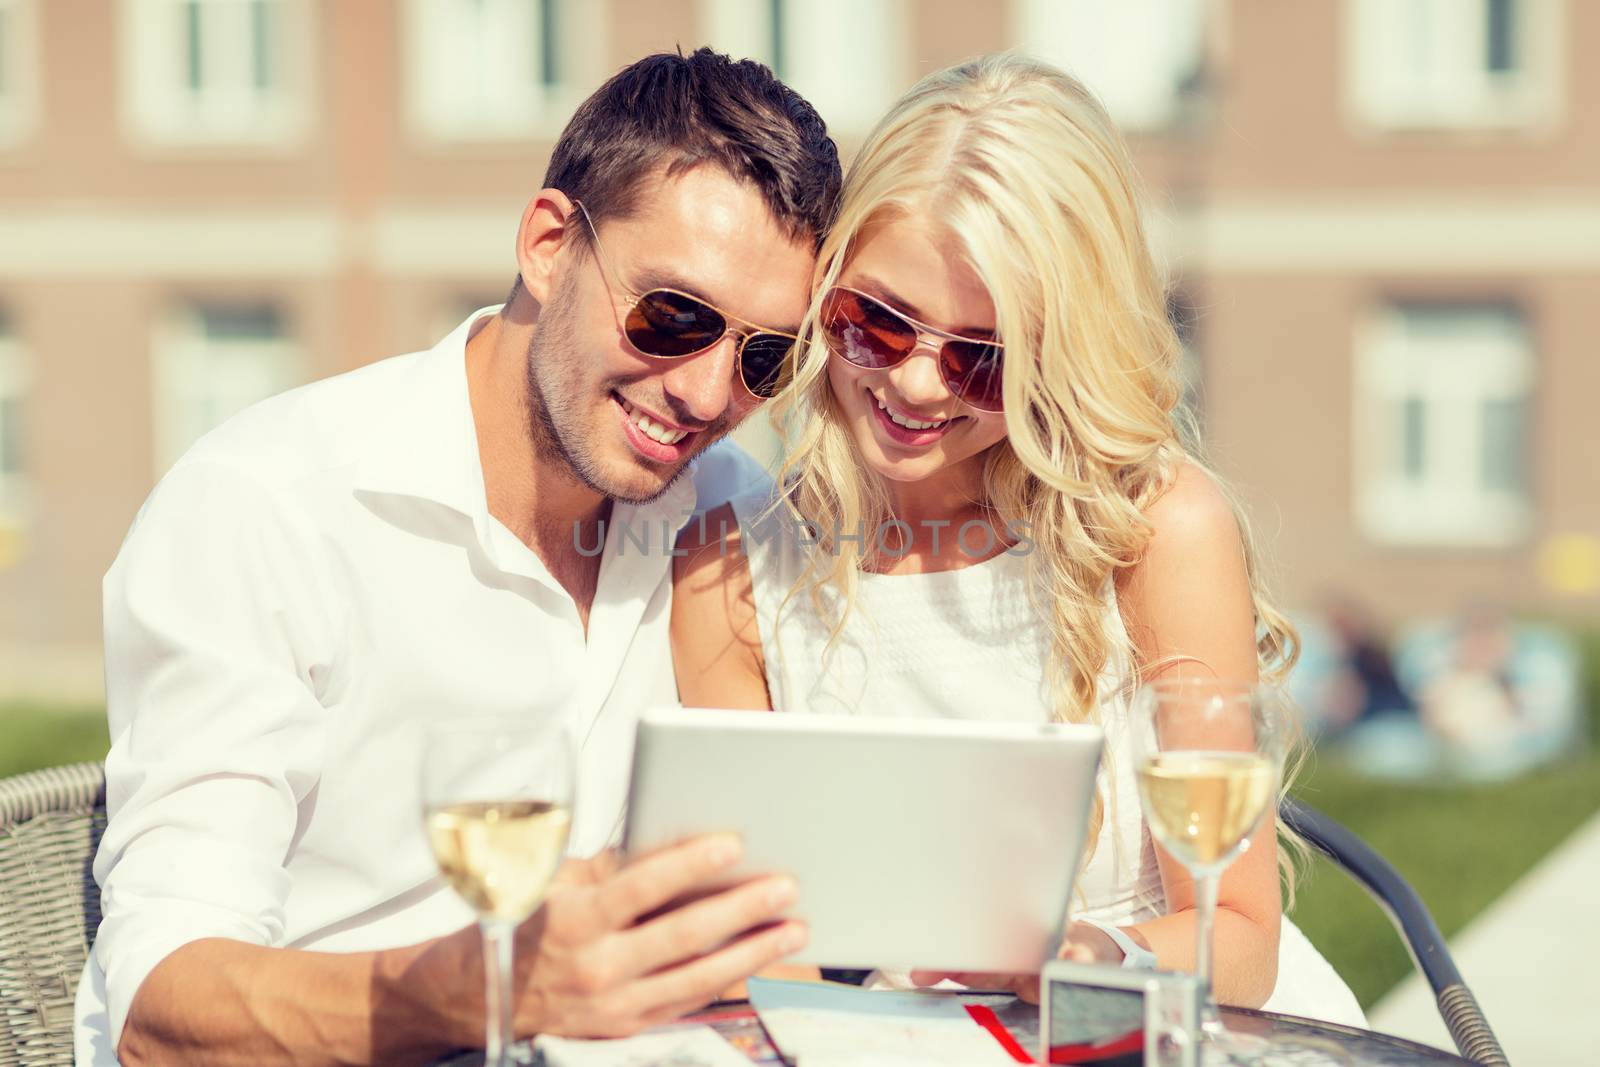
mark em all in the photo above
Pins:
pixel 986 1018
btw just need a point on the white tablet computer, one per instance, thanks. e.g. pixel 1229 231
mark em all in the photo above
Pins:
pixel 936 843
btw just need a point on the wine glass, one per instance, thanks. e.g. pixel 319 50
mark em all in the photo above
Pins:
pixel 1209 754
pixel 497 794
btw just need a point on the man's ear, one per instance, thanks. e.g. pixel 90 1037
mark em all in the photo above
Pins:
pixel 540 239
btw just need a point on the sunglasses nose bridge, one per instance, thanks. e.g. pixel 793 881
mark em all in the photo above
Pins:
pixel 927 343
pixel 919 377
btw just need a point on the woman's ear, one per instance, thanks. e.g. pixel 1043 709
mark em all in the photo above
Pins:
pixel 540 238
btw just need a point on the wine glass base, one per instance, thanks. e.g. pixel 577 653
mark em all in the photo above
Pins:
pixel 1221 1047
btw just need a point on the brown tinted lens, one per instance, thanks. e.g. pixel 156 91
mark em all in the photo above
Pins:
pixel 664 323
pixel 864 331
pixel 972 369
pixel 764 363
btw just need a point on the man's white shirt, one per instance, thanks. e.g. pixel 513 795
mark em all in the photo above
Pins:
pixel 308 587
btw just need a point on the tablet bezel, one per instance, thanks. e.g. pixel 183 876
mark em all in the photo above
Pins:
pixel 985 784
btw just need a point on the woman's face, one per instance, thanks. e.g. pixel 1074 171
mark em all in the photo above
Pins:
pixel 916 268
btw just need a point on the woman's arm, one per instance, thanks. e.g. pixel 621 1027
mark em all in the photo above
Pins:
pixel 716 640
pixel 1189 597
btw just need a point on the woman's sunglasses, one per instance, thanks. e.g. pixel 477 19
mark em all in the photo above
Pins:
pixel 871 334
pixel 667 324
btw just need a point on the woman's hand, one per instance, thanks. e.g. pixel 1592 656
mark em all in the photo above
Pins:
pixel 1083 944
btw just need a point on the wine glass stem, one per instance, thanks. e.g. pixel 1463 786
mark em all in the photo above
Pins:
pixel 1205 913
pixel 498 936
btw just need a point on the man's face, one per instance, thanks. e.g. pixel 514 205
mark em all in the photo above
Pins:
pixel 589 390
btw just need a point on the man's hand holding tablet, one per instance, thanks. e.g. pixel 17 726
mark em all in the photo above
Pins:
pixel 607 957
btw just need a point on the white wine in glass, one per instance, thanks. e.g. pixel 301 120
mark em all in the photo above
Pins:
pixel 1209 755
pixel 498 794
pixel 498 855
pixel 1203 806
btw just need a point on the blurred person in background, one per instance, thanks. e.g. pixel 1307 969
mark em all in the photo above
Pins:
pixel 1360 681
pixel 993 363
pixel 337 566
pixel 1473 702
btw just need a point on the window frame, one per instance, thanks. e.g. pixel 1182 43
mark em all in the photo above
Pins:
pixel 1442 505
pixel 1530 98
pixel 1189 60
pixel 155 112
pixel 19 54
pixel 583 29
pixel 745 29
pixel 181 367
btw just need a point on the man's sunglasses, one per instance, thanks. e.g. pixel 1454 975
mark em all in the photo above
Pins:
pixel 871 334
pixel 667 324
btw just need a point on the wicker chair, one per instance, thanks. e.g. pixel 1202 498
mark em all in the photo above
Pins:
pixel 50 825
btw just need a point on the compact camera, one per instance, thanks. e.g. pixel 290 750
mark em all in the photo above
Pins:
pixel 1115 1017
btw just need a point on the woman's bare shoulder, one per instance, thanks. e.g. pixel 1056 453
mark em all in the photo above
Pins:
pixel 1189 594
pixel 1192 513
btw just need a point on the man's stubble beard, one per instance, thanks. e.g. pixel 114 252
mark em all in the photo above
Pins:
pixel 550 418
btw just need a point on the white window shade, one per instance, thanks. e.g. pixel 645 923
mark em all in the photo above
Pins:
pixel 230 72
pixel 1138 56
pixel 19 74
pixel 1424 64
pixel 1442 404
pixel 499 69
pixel 849 58
pixel 210 363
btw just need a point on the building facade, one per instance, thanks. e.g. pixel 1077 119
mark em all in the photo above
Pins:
pixel 1382 219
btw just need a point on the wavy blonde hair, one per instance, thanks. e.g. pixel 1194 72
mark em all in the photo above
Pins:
pixel 1031 178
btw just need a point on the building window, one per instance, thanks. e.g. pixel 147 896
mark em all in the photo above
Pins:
pixel 1442 425
pixel 15 379
pixel 804 45
pixel 231 72
pixel 213 361
pixel 500 69
pixel 1424 64
pixel 1142 58
pixel 19 78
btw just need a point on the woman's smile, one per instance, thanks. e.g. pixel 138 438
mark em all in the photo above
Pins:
pixel 904 428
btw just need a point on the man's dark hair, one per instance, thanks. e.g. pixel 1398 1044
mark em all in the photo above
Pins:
pixel 669 113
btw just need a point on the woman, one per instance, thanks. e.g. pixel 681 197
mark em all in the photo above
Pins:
pixel 1007 520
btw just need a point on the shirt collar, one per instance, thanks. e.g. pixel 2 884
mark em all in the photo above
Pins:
pixel 426 446
pixel 426 449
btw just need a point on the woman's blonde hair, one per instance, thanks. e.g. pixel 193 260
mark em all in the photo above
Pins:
pixel 1023 167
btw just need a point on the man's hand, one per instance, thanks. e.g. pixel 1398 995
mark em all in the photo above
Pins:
pixel 606 956
pixel 1083 944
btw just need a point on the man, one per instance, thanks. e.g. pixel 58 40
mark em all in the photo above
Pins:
pixel 338 566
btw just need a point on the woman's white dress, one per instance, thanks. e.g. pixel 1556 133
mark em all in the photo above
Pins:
pixel 967 644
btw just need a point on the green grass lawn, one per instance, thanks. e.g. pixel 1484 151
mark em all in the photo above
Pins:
pixel 1461 846
pixel 32 736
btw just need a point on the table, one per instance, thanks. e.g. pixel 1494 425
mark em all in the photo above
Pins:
pixel 1304 1042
